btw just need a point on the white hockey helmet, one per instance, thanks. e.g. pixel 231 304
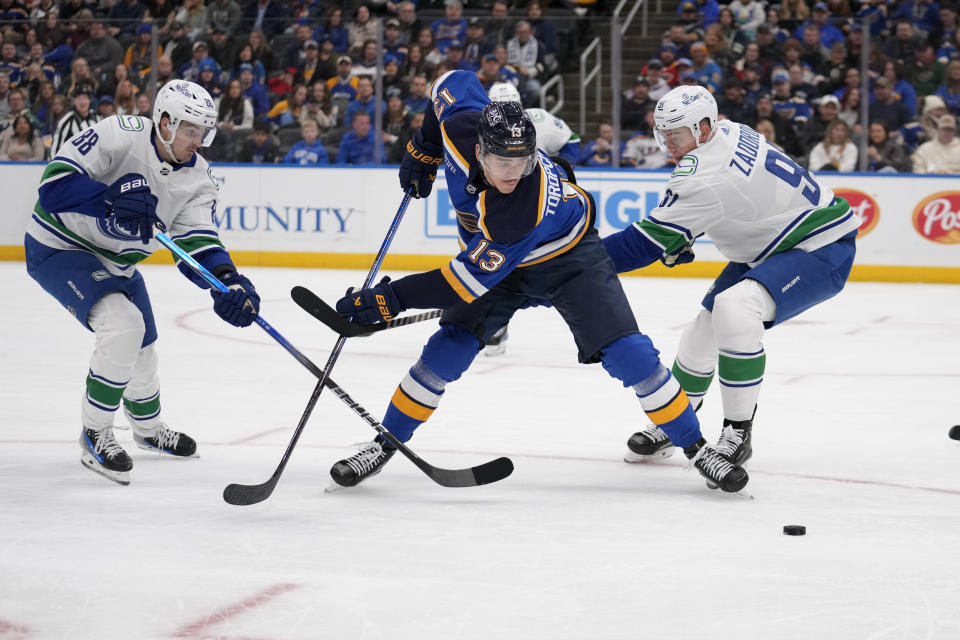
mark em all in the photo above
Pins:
pixel 684 107
pixel 504 92
pixel 184 101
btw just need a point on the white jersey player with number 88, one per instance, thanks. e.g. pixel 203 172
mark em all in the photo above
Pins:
pixel 100 199
pixel 790 242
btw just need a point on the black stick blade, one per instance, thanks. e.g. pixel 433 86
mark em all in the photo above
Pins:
pixel 486 473
pixel 243 495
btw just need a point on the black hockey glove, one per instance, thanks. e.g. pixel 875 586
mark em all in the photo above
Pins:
pixel 681 256
pixel 133 206
pixel 418 168
pixel 239 305
pixel 376 304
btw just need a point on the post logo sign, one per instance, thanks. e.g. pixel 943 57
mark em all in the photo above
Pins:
pixel 864 206
pixel 937 217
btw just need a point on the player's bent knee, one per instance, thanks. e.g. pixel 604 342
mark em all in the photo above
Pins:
pixel 450 351
pixel 631 359
pixel 114 318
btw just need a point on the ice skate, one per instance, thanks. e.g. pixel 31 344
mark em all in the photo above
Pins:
pixel 367 462
pixel 102 454
pixel 648 445
pixel 497 344
pixel 168 441
pixel 735 443
pixel 715 468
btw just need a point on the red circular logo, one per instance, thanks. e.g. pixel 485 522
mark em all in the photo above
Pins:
pixel 864 206
pixel 937 217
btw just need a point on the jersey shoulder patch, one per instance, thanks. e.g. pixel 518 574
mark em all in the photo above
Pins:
pixel 686 166
pixel 130 123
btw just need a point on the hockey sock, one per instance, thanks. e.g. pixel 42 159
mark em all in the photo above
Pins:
pixel 694 383
pixel 414 401
pixel 141 400
pixel 741 375
pixel 667 406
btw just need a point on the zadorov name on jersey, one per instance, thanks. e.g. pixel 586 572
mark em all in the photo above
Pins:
pixel 553 186
pixel 748 146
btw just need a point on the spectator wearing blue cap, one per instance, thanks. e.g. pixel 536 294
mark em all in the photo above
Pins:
pixel 493 71
pixel 253 90
pixel 308 151
pixel 209 77
pixel 393 80
pixel 125 17
pixel 657 85
pixel 827 32
pixel 455 61
pixel 357 147
pixel 794 109
pixel 106 106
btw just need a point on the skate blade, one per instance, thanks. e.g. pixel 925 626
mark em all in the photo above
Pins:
pixel 120 477
pixel 494 350
pixel 743 493
pixel 635 458
pixel 334 488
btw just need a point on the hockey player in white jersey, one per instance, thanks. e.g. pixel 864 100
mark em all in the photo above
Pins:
pixel 100 199
pixel 790 242
pixel 553 134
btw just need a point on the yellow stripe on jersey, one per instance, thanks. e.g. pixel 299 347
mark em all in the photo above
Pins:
pixel 671 411
pixel 542 200
pixel 454 152
pixel 482 208
pixel 588 216
pixel 410 407
pixel 455 283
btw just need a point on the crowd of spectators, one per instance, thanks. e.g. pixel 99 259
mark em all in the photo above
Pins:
pixel 293 81
pixel 792 71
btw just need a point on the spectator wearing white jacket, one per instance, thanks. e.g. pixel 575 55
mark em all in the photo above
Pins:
pixel 942 154
pixel 836 152
pixel 525 54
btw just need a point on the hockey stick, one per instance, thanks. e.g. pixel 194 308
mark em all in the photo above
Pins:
pixel 482 474
pixel 312 304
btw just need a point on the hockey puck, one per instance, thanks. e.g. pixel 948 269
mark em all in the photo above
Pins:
pixel 955 432
pixel 794 530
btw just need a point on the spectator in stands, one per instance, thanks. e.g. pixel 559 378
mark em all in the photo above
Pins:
pixel 793 13
pixel 262 52
pixel 827 111
pixel 362 28
pixel 246 56
pixel 454 60
pixel 335 30
pixel 311 64
pixel 707 71
pixel 21 142
pixel 733 105
pixel 942 154
pixel 326 62
pixel 106 107
pixel 886 107
pixel 542 28
pixel 41 103
pixel 498 27
pixel 751 58
pixel 925 73
pixel 17 103
pixel 642 150
pixel 394 122
pixel 923 16
pixel 431 54
pixel 668 56
pixel 392 78
pixel 799 87
pixel 357 146
pixel 125 99
pixel 58 108
pixel 260 148
pixel 949 91
pixel 749 15
pixel 415 64
pixel 226 16
pixel 682 35
pixel 657 85
pixel 452 28
pixel 874 12
pixel 851 80
pixel 178 46
pixel 51 32
pixel 320 108
pixel 139 54
pixel 366 64
pixel 718 49
pixel 885 155
pixel 826 32
pixel 364 102
pixel 4 94
pixel 634 109
pixel 234 111
pixel 765 128
pixel 393 44
pixel 75 120
pixel 267 16
pixel 193 16
pixel 410 24
pixel 254 90
pixel 101 51
pixel 308 151
pixel 80 75
pixel 850 107
pixel 9 63
pixel 812 51
pixel 222 48
pixel 343 86
pixel 933 108
pixel 125 18
pixel 682 67
pixel 164 70
pixel 293 53
pixel 947 31
pixel 786 136
pixel 836 152
pixel 144 105
pixel 903 45
pixel 597 152
pixel 833 70
pixel 418 101
pixel 287 112
pixel 707 11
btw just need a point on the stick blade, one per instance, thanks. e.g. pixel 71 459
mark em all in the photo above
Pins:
pixel 486 473
pixel 243 495
pixel 315 306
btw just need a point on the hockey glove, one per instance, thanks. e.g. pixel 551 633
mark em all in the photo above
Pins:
pixel 418 168
pixel 681 256
pixel 239 305
pixel 130 202
pixel 376 304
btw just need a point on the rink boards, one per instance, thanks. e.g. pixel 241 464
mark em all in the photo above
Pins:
pixel 336 217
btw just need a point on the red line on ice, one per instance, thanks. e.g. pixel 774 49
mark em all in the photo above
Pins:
pixel 9 627
pixel 195 629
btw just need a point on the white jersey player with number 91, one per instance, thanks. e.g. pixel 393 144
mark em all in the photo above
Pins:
pixel 790 242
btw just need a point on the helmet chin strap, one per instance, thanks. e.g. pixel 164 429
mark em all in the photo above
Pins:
pixel 167 145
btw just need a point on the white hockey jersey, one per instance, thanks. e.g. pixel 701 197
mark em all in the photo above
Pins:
pixel 749 198
pixel 115 146
pixel 553 134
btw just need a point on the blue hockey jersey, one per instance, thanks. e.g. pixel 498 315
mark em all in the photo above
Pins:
pixel 543 217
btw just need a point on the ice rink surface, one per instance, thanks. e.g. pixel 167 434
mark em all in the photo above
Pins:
pixel 850 440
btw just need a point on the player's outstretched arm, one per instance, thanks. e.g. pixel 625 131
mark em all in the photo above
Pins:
pixel 632 249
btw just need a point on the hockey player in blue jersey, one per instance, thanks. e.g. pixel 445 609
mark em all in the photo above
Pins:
pixel 100 199
pixel 526 233
pixel 790 242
